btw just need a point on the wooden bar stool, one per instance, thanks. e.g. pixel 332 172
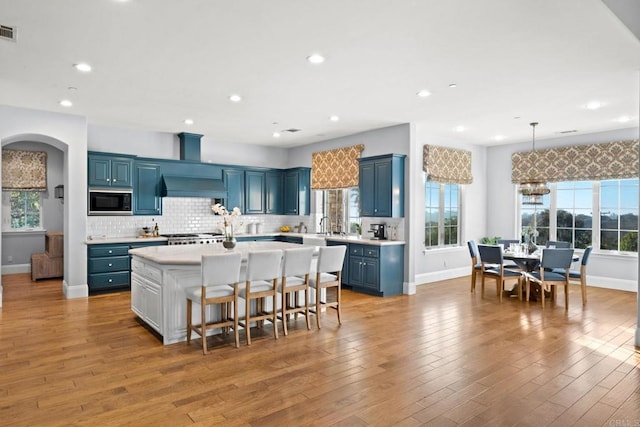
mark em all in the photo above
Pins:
pixel 263 272
pixel 295 277
pixel 220 276
pixel 328 275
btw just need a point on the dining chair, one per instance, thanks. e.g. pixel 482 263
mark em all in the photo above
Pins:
pixel 476 265
pixel 505 245
pixel 219 277
pixel 492 255
pixel 295 278
pixel 558 244
pixel 263 272
pixel 328 274
pixel 553 271
pixel 580 276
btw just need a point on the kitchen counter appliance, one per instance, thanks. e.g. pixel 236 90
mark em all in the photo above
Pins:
pixel 378 231
pixel 194 239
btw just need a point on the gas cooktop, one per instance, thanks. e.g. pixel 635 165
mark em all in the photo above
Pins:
pixel 193 238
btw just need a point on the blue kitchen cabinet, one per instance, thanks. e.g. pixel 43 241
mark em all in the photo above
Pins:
pixel 297 191
pixel 109 265
pixel 110 171
pixel 234 184
pixel 255 192
pixel 372 269
pixel 147 199
pixel 275 192
pixel 381 186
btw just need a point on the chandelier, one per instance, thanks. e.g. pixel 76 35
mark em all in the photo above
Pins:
pixel 534 189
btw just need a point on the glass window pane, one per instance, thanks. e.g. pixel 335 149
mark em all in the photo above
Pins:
pixel 564 218
pixel 609 240
pixel 583 239
pixel 608 197
pixel 565 234
pixel 629 241
pixel 629 221
pixel 583 219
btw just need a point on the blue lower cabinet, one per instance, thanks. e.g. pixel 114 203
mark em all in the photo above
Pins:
pixel 372 269
pixel 256 238
pixel 109 265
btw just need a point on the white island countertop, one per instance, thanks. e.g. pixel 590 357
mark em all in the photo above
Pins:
pixel 192 254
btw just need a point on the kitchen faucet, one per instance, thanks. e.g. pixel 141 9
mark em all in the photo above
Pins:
pixel 323 224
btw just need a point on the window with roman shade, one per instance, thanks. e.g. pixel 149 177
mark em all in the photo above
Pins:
pixel 592 162
pixel 447 165
pixel 336 168
pixel 24 170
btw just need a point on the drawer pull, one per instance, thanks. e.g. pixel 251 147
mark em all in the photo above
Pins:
pixel 110 280
pixel 110 265
pixel 110 251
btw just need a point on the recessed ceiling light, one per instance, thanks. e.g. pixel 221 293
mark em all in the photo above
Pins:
pixel 66 103
pixel 593 105
pixel 235 98
pixel 623 119
pixel 188 121
pixel 276 134
pixel 459 129
pixel 82 66
pixel 498 137
pixel 423 93
pixel 334 118
pixel 453 85
pixel 316 58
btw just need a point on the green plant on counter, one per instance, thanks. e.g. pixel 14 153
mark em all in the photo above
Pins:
pixel 356 228
pixel 490 240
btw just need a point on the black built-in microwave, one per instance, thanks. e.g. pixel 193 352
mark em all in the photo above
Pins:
pixel 108 201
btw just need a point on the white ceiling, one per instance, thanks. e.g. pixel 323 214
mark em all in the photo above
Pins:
pixel 157 62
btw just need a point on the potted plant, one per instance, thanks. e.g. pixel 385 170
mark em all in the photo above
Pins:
pixel 229 219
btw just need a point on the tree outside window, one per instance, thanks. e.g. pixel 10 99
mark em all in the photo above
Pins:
pixel 619 215
pixel 442 207
pixel 25 209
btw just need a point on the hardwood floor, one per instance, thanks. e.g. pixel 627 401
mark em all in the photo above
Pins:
pixel 443 357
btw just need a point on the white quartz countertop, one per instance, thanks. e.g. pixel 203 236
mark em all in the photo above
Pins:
pixel 112 240
pixel 192 254
pixel 364 241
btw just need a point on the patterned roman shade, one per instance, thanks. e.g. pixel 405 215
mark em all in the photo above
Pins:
pixel 24 170
pixel 447 165
pixel 611 160
pixel 336 168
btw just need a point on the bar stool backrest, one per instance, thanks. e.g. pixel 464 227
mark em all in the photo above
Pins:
pixel 221 269
pixel 264 265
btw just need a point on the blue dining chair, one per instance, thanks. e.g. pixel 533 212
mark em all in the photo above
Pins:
pixel 506 243
pixel 580 275
pixel 558 244
pixel 554 271
pixel 476 265
pixel 492 255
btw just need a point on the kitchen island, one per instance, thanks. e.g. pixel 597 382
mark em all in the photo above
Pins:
pixel 159 275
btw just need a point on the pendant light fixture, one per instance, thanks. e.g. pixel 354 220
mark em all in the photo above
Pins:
pixel 534 189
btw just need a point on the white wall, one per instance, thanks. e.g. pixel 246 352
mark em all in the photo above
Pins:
pixel 68 133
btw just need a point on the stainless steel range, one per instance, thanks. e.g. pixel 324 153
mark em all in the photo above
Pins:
pixel 193 239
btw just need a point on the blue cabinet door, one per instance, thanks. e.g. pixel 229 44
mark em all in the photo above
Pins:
pixel 121 172
pixel 109 171
pixel 383 191
pixel 275 186
pixel 291 193
pixel 255 192
pixel 371 273
pixel 367 189
pixel 234 184
pixel 146 189
pixel 99 172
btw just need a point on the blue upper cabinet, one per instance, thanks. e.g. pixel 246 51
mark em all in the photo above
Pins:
pixel 234 184
pixel 297 191
pixel 381 186
pixel 275 192
pixel 255 192
pixel 110 171
pixel 146 189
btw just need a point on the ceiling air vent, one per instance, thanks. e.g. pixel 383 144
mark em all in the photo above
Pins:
pixel 8 33
pixel 569 131
pixel 292 130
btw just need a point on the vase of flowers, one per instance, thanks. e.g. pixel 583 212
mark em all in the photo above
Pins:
pixel 229 221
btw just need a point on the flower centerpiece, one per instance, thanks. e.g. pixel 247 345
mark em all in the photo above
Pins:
pixel 229 220
pixel 530 233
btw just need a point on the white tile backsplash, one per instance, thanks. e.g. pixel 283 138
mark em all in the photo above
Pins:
pixel 184 215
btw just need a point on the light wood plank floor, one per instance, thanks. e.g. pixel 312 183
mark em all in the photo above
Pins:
pixel 443 357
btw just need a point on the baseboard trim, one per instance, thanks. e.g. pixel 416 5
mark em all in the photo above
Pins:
pixel 75 291
pixel 16 268
pixel 436 276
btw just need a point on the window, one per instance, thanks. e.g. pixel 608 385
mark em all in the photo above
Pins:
pixel 619 215
pixel 574 219
pixel 341 210
pixel 24 209
pixel 442 206
pixel 568 212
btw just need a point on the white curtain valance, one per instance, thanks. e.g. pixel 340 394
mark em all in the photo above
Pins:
pixel 611 160
pixel 24 170
pixel 447 165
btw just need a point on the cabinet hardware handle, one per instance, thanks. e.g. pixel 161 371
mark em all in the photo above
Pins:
pixel 110 280
pixel 110 252
pixel 110 265
pixel 114 180
pixel 108 180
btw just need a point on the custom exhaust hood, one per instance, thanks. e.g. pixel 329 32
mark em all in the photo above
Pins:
pixel 188 186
